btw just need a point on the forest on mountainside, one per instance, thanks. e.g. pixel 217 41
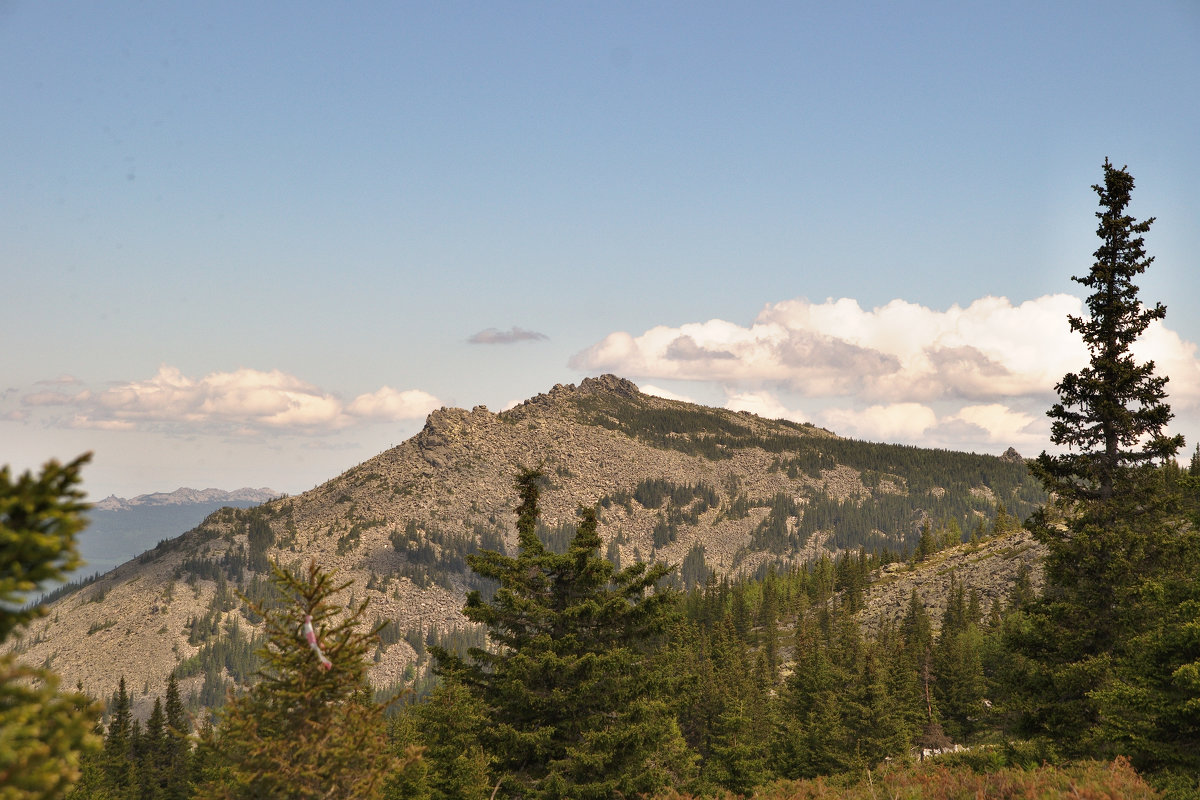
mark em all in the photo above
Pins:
pixel 764 683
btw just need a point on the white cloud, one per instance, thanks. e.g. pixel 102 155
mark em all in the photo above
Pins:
pixel 61 380
pixel 899 352
pixel 897 422
pixel 665 394
pixel 764 404
pixel 1174 357
pixel 241 401
pixel 53 399
pixel 388 404
pixel 902 371
pixel 1003 425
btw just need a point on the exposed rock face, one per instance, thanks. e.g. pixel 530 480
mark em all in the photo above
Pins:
pixel 1011 454
pixel 990 570
pixel 453 480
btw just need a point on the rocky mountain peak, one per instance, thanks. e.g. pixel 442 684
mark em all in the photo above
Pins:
pixel 609 384
pixel 1011 455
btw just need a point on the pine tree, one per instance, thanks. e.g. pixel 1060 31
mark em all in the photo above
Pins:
pixel 958 665
pixel 308 728
pixel 1112 413
pixel 449 726
pixel 568 684
pixel 177 746
pixel 151 761
pixel 1103 657
pixel 118 742
pixel 44 733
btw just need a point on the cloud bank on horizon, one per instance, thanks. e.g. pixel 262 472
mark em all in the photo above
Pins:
pixel 243 401
pixel 976 376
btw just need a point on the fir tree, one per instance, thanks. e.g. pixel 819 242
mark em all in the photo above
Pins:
pixel 308 728
pixel 449 726
pixel 1102 659
pixel 44 733
pixel 1111 415
pixel 177 746
pixel 567 686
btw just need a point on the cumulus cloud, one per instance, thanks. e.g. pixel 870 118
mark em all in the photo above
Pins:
pixel 903 422
pixel 666 394
pixel 244 400
pixel 390 404
pixel 901 371
pixel 684 348
pixel 1003 425
pixel 900 352
pixel 510 336
pixel 53 398
pixel 764 404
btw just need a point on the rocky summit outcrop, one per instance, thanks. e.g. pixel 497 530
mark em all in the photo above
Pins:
pixel 676 482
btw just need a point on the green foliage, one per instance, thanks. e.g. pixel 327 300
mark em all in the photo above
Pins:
pixel 259 537
pixel 304 731
pixel 774 533
pixel 1113 411
pixel 39 518
pixel 450 727
pixel 1105 662
pixel 44 733
pixel 433 556
pixel 567 691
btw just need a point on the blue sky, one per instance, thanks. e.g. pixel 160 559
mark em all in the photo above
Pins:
pixel 253 244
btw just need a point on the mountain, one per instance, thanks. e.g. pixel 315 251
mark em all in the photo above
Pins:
pixel 188 497
pixel 704 488
pixel 119 528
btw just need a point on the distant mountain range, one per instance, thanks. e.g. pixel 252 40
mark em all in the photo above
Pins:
pixel 121 528
pixel 185 497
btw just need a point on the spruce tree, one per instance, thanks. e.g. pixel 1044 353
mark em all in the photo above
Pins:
pixel 449 725
pixel 44 733
pixel 177 746
pixel 1111 414
pixel 1103 653
pixel 308 728
pixel 567 684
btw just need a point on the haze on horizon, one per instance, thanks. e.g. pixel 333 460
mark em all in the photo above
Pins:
pixel 253 246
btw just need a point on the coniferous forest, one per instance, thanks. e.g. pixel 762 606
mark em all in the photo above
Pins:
pixel 601 680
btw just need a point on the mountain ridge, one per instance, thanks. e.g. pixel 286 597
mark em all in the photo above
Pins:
pixel 673 481
pixel 185 496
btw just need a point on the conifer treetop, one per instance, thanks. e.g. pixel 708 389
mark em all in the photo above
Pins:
pixel 1111 414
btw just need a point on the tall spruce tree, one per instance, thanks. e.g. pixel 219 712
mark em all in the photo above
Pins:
pixel 1111 414
pixel 568 684
pixel 1119 563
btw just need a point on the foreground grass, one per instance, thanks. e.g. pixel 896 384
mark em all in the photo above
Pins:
pixel 1088 780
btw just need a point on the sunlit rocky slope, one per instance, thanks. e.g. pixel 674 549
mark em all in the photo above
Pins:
pixel 698 487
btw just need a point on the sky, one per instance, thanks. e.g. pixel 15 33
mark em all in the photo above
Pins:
pixel 254 244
